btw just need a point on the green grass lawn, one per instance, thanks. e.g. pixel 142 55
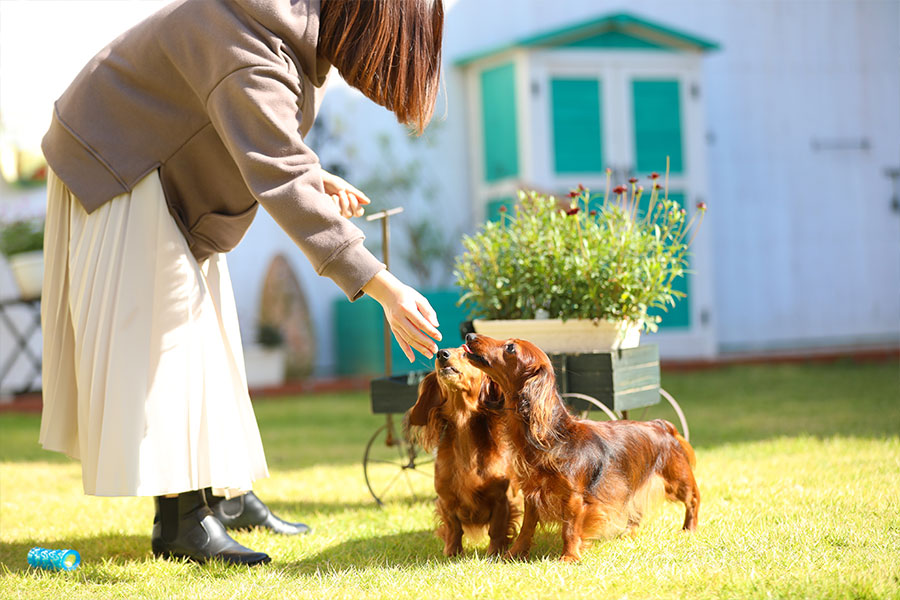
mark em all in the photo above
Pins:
pixel 798 467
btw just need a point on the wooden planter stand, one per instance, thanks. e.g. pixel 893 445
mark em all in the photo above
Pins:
pixel 622 379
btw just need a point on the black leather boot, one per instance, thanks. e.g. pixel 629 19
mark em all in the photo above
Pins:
pixel 247 511
pixel 185 527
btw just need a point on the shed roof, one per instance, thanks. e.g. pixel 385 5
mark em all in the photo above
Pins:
pixel 617 30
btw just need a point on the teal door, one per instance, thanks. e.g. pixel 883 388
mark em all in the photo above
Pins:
pixel 657 138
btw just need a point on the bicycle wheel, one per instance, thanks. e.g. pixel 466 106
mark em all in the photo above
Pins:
pixel 594 406
pixel 396 469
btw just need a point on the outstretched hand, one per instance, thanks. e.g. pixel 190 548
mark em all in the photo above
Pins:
pixel 410 316
pixel 349 200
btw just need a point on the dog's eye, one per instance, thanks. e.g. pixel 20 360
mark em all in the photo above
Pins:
pixel 511 348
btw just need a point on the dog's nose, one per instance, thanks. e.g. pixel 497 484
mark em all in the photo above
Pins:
pixel 471 337
pixel 443 355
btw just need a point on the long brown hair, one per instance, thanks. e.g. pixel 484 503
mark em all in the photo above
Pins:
pixel 390 50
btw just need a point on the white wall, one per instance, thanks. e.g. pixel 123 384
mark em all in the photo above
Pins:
pixel 809 248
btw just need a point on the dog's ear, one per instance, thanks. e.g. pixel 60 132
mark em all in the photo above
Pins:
pixel 430 397
pixel 539 393
pixel 491 396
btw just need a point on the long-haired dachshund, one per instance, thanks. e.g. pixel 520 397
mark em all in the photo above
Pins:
pixel 595 478
pixel 458 412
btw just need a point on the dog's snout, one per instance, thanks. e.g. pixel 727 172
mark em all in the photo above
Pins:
pixel 443 355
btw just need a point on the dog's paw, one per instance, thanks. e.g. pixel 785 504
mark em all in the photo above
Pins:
pixel 519 555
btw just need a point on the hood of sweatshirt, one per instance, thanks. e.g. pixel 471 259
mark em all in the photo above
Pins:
pixel 297 23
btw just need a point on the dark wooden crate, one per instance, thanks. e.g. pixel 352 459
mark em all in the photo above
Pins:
pixel 395 394
pixel 621 379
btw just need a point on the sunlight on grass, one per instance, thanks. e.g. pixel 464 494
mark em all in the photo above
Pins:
pixel 798 467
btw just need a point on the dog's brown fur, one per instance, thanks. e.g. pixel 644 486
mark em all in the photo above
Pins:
pixel 458 412
pixel 595 478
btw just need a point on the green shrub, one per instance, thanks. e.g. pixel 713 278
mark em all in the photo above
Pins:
pixel 21 236
pixel 269 336
pixel 582 258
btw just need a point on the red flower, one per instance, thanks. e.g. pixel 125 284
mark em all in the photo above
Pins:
pixel 654 175
pixel 620 189
pixel 580 187
pixel 656 186
pixel 573 194
pixel 701 206
pixel 593 213
pixel 572 211
pixel 633 180
pixel 502 208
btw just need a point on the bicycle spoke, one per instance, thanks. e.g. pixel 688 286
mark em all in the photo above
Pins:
pixel 390 483
pixel 409 484
pixel 387 462
pixel 422 473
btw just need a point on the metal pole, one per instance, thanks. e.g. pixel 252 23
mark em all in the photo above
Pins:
pixel 386 252
pixel 385 216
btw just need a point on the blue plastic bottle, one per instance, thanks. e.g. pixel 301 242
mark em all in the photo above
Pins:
pixel 54 560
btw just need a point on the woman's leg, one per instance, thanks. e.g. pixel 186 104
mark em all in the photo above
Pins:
pixel 150 398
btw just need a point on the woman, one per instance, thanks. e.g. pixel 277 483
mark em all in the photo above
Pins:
pixel 161 151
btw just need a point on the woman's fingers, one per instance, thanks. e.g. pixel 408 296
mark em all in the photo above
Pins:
pixel 424 318
pixel 348 204
pixel 403 345
pixel 417 332
pixel 363 199
pixel 427 311
pixel 345 204
pixel 337 202
pixel 419 340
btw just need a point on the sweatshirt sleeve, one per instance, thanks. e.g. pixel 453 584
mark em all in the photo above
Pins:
pixel 255 111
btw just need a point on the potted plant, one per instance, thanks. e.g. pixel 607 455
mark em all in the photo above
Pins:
pixel 578 275
pixel 265 360
pixel 22 242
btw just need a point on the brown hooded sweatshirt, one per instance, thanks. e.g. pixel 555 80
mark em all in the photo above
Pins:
pixel 217 95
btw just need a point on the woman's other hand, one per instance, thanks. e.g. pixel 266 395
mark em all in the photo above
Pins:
pixel 349 200
pixel 412 320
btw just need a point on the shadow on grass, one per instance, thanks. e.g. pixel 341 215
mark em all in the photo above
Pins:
pixel 283 508
pixel 388 551
pixel 401 550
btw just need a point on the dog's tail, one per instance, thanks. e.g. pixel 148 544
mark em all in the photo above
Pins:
pixel 685 445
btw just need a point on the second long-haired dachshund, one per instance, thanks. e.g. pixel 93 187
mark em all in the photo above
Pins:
pixel 458 413
pixel 594 478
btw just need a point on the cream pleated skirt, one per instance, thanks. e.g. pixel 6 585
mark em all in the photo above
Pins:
pixel 143 372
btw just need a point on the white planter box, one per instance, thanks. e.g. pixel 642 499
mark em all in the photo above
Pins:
pixel 28 271
pixel 265 366
pixel 555 336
